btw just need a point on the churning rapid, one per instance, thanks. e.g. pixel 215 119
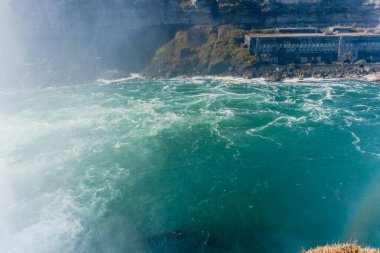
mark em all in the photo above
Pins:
pixel 189 165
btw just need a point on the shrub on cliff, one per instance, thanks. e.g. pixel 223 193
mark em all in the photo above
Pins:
pixel 203 50
pixel 228 48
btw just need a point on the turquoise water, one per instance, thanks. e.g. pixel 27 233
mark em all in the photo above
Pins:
pixel 231 165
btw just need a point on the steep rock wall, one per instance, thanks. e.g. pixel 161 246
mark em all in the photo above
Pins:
pixel 89 36
pixel 320 13
pixel 97 15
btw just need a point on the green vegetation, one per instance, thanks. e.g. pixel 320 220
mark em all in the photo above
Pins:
pixel 343 248
pixel 203 50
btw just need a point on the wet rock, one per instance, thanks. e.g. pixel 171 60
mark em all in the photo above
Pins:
pixel 171 74
pixel 217 68
pixel 274 77
pixel 248 74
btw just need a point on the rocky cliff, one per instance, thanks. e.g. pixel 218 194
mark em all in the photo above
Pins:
pixel 203 50
pixel 133 14
pixel 84 37
pixel 319 13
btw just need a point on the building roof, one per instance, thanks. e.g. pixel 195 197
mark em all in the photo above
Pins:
pixel 341 27
pixel 296 28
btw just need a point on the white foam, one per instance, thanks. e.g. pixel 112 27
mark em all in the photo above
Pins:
pixel 225 79
pixel 46 236
pixel 356 142
pixel 292 80
pixel 120 80
pixel 276 122
pixel 7 201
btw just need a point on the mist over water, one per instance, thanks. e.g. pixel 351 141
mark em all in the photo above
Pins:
pixel 231 165
pixel 64 42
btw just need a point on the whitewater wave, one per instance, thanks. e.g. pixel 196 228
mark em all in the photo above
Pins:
pixel 287 121
pixel 120 80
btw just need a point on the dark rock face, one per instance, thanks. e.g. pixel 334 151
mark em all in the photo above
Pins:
pixel 319 13
pixel 89 17
pixel 185 52
pixel 218 68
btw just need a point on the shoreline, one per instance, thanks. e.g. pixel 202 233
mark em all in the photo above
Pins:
pixel 273 74
pixel 367 72
pixel 293 73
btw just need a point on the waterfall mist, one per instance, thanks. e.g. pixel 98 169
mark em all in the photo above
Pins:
pixel 64 42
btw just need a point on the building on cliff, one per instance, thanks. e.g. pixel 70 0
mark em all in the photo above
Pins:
pixel 299 48
pixel 341 29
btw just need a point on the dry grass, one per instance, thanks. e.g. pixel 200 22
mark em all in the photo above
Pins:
pixel 342 248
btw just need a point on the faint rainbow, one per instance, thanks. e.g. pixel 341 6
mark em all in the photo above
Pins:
pixel 367 212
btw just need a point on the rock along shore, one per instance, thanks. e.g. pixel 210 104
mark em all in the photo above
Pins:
pixel 369 72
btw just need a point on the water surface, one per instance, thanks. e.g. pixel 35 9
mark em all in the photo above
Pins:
pixel 232 165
